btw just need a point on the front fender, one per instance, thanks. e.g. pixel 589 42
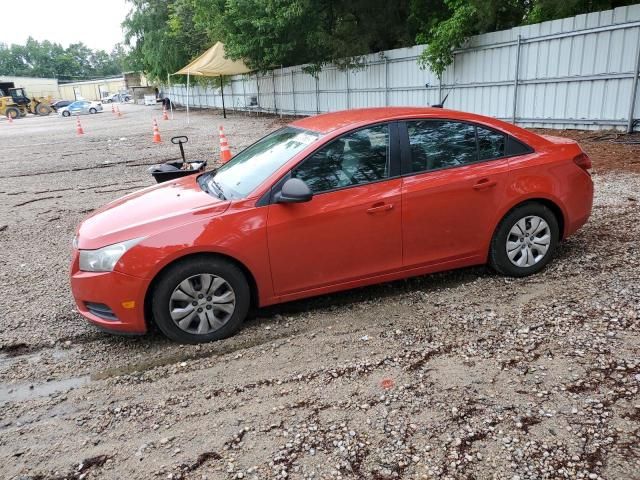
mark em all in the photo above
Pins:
pixel 240 233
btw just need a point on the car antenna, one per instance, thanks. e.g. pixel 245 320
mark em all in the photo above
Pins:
pixel 441 104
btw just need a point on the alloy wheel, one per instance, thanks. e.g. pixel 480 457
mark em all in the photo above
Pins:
pixel 202 303
pixel 528 241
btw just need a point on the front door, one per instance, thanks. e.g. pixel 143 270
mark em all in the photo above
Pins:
pixel 351 228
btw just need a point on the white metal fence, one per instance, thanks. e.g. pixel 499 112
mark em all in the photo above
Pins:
pixel 578 72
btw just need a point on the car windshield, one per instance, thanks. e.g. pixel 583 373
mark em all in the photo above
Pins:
pixel 248 169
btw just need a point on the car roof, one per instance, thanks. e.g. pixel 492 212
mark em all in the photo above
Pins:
pixel 329 122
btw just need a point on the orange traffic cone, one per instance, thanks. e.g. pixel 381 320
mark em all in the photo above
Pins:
pixel 10 118
pixel 165 115
pixel 225 151
pixel 113 108
pixel 118 111
pixel 79 129
pixel 156 132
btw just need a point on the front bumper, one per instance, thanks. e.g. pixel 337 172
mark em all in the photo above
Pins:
pixel 122 294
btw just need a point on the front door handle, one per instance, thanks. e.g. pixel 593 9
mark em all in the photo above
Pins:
pixel 380 207
pixel 484 183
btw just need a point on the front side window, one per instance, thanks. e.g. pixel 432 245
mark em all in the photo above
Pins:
pixel 439 144
pixel 354 159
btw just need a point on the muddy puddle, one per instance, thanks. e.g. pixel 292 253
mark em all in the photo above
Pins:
pixel 212 350
pixel 28 391
pixel 16 392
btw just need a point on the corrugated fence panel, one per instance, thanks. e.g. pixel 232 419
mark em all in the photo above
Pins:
pixel 575 72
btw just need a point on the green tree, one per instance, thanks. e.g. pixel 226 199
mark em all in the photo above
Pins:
pixel 268 33
pixel 543 10
pixel 167 34
pixel 47 59
pixel 163 35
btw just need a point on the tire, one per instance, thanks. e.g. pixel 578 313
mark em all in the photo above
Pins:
pixel 93 110
pixel 66 113
pixel 12 112
pixel 516 253
pixel 109 100
pixel 42 109
pixel 182 284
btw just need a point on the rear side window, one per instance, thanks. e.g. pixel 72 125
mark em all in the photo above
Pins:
pixel 491 144
pixel 516 147
pixel 439 144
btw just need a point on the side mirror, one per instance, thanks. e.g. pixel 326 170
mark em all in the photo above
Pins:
pixel 294 190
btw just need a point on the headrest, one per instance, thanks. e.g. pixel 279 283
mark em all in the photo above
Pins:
pixel 335 148
pixel 360 144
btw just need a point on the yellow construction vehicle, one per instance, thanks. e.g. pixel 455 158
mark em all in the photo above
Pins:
pixel 15 103
pixel 9 109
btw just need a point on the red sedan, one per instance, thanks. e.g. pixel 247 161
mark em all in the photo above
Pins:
pixel 329 203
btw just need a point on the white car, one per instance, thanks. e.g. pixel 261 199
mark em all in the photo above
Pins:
pixel 80 107
pixel 117 97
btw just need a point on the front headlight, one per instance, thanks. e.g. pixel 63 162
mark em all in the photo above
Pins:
pixel 105 258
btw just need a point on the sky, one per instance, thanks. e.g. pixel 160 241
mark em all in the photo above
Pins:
pixel 96 23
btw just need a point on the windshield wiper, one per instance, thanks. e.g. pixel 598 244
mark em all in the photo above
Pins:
pixel 218 188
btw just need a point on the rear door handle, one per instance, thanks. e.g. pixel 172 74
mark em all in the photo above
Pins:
pixel 484 183
pixel 377 207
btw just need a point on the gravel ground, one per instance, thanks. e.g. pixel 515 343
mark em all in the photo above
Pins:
pixel 463 374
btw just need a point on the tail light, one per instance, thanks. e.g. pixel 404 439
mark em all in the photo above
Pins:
pixel 583 161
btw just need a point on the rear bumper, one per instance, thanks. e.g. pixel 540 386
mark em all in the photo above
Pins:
pixel 121 294
pixel 579 204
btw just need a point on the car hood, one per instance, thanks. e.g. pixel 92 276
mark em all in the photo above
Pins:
pixel 148 211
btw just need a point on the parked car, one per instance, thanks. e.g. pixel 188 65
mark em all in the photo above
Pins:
pixel 80 107
pixel 58 104
pixel 117 97
pixel 328 203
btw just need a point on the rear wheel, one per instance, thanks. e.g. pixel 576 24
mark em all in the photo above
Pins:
pixel 200 300
pixel 12 112
pixel 42 109
pixel 525 240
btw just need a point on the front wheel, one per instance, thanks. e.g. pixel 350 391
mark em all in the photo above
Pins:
pixel 12 112
pixel 200 300
pixel 66 113
pixel 524 241
pixel 93 110
pixel 42 109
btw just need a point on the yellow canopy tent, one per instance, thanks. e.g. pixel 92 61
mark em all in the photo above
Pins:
pixel 213 63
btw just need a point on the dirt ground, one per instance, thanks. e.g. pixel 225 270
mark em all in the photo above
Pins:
pixel 463 374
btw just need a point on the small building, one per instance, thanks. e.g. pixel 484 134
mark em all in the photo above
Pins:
pixel 100 88
pixel 35 87
pixel 92 89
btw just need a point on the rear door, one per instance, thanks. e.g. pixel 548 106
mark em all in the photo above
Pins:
pixel 351 228
pixel 455 178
